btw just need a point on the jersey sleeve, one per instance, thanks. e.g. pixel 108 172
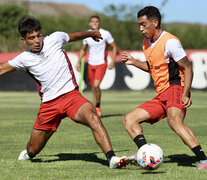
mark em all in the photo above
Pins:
pixel 85 41
pixel 109 38
pixel 175 50
pixel 61 37
pixel 17 62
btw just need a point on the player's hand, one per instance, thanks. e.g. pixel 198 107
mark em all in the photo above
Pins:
pixel 111 65
pixel 96 35
pixel 186 101
pixel 127 59
pixel 78 65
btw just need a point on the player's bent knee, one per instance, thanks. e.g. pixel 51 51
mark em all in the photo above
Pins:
pixel 174 125
pixel 96 84
pixel 128 122
pixel 96 87
pixel 93 120
pixel 125 120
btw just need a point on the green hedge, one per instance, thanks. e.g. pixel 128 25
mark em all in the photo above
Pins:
pixel 126 33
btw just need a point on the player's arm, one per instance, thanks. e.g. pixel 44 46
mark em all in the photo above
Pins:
pixel 82 53
pixel 95 34
pixel 6 68
pixel 129 60
pixel 175 50
pixel 114 53
pixel 188 74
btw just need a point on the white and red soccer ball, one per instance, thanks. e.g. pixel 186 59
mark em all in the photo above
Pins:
pixel 150 156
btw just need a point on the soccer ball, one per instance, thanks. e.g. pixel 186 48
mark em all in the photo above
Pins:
pixel 150 156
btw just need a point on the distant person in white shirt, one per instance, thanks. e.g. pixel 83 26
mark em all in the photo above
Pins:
pixel 48 64
pixel 97 61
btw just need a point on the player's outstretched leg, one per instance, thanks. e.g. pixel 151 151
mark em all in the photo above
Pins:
pixel 36 143
pixel 176 121
pixel 87 115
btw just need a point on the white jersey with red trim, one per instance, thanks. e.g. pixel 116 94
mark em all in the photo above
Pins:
pixel 98 51
pixel 50 67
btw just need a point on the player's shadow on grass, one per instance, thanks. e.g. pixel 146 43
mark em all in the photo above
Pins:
pixel 181 159
pixel 153 172
pixel 111 115
pixel 89 157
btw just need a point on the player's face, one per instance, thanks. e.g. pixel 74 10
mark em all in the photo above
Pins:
pixel 33 40
pixel 94 23
pixel 147 26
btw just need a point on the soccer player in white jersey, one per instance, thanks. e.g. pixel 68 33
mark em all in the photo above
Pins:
pixel 47 63
pixel 97 61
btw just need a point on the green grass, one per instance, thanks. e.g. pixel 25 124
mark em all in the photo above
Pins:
pixel 72 152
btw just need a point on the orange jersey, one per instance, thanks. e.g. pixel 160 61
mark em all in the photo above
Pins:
pixel 164 73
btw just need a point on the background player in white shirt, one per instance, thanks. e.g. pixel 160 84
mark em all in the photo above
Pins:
pixel 97 61
pixel 47 63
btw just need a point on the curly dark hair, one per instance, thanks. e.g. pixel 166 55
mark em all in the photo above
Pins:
pixel 28 24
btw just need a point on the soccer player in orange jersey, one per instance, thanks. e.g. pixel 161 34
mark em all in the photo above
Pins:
pixel 172 74
pixel 97 61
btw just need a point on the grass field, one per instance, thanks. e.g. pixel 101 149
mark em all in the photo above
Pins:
pixel 72 152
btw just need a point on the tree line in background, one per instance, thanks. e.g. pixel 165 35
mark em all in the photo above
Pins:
pixel 123 27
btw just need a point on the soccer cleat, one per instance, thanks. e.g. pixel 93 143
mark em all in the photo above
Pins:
pixel 202 165
pixel 131 160
pixel 117 162
pixel 24 156
pixel 98 110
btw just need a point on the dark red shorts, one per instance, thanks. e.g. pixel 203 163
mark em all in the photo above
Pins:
pixel 157 107
pixel 96 72
pixel 52 112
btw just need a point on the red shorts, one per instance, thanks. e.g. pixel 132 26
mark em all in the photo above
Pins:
pixel 52 112
pixel 96 72
pixel 157 107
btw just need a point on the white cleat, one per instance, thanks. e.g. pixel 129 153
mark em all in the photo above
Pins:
pixel 117 162
pixel 131 160
pixel 23 155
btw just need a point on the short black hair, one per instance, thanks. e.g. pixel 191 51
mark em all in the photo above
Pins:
pixel 151 12
pixel 28 24
pixel 95 16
